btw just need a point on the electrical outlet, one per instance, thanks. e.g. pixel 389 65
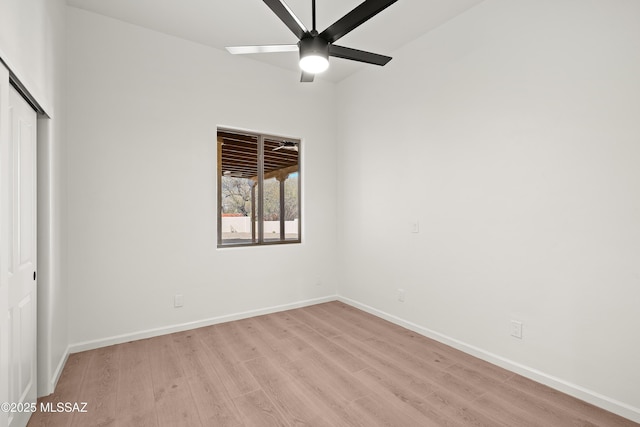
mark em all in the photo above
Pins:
pixel 415 227
pixel 177 301
pixel 516 329
pixel 401 293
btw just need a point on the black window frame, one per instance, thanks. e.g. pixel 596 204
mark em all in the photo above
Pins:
pixel 258 235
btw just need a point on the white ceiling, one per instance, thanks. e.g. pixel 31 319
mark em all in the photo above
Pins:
pixel 220 23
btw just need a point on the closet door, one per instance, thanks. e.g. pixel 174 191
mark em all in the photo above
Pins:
pixel 4 244
pixel 19 244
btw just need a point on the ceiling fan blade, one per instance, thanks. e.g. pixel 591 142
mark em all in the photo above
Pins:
pixel 358 55
pixel 286 15
pixel 287 145
pixel 241 50
pixel 306 77
pixel 362 13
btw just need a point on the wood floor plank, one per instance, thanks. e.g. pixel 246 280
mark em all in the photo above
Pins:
pixel 578 407
pixel 190 351
pixel 432 346
pixel 232 373
pixel 146 419
pixel 312 383
pixel 274 326
pixel 280 351
pixel 338 354
pixel 324 365
pixel 213 403
pixel 532 407
pixel 394 392
pixel 487 369
pixel 361 318
pixel 286 395
pixel 258 410
pixel 509 399
pixel 236 338
pixel 322 327
pixel 286 342
pixel 70 382
pixel 334 376
pixel 164 362
pixel 395 335
pixel 175 405
pixel 421 369
pixel 464 412
pixel 366 322
pixel 507 412
pixel 173 399
pixel 324 313
pixel 135 403
pixel 374 411
pixel 388 367
pixel 99 389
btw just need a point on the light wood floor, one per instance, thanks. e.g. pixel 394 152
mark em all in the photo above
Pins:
pixel 325 365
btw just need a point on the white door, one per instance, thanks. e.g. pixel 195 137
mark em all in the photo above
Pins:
pixel 4 248
pixel 20 243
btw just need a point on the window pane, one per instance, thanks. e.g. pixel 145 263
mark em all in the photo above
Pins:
pixel 291 207
pixel 281 190
pixel 237 208
pixel 238 193
pixel 271 210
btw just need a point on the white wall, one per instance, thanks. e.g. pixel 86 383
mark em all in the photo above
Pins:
pixel 143 110
pixel 32 44
pixel 28 43
pixel 512 135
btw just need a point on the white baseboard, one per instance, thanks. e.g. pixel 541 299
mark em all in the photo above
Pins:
pixel 49 384
pixel 56 374
pixel 574 390
pixel 149 333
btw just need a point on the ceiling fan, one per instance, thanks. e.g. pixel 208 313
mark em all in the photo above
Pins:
pixel 315 48
pixel 287 145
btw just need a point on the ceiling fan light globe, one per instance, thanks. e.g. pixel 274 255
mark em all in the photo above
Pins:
pixel 314 64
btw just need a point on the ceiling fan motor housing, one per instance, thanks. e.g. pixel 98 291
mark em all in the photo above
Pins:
pixel 313 46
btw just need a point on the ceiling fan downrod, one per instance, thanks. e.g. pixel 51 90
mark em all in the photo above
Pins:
pixel 313 16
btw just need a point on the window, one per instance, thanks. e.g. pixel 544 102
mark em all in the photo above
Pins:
pixel 258 189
